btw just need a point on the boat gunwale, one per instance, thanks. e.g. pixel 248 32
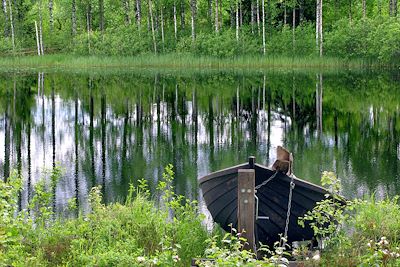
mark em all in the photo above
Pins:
pixel 233 169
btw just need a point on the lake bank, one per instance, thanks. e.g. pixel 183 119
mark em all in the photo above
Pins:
pixel 183 61
pixel 145 232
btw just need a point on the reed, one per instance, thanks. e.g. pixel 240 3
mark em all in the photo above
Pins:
pixel 181 61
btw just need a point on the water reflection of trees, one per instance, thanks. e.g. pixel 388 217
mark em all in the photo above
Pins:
pixel 111 129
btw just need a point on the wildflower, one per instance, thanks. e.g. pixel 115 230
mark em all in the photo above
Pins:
pixel 176 258
pixel 141 259
pixel 316 257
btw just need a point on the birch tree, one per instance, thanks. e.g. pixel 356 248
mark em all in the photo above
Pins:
pixel 263 25
pixel 4 7
pixel 12 26
pixel 175 22
pixel 318 28
pixel 193 8
pixel 51 16
pixel 138 13
pixel 73 17
pixel 127 11
pixel 152 26
pixel 237 21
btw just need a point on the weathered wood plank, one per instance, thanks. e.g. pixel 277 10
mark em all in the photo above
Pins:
pixel 246 205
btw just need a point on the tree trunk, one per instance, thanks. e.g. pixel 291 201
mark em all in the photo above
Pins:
pixel 252 8
pixel 258 16
pixel 216 16
pixel 240 14
pixel 41 28
pixel 364 9
pixel 73 18
pixel 317 25
pixel 210 13
pixel 12 26
pixel 152 26
pixel 237 21
pixel 263 25
pixel 51 17
pixel 127 11
pixel 175 22
pixel 162 25
pixel 182 14
pixel 37 38
pixel 194 10
pixel 4 6
pixel 321 39
pixel 284 13
pixel 101 16
pixel 293 30
pixel 138 13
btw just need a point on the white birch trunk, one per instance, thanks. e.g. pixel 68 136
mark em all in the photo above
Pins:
pixel 252 16
pixel 37 39
pixel 321 39
pixel 175 23
pixel 162 25
pixel 138 14
pixel 293 29
pixel 317 25
pixel 263 25
pixel 41 28
pixel 258 17
pixel 237 21
pixel 152 26
pixel 12 26
pixel 4 6
pixel 193 7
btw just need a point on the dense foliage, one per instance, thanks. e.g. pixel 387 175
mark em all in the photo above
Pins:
pixel 362 29
pixel 142 232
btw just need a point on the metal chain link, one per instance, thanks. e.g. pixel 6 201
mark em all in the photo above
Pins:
pixel 266 181
pixel 292 186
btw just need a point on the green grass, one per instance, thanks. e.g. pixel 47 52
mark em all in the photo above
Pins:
pixel 369 237
pixel 142 232
pixel 139 232
pixel 178 61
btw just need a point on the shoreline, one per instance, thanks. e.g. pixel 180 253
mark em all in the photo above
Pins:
pixel 185 62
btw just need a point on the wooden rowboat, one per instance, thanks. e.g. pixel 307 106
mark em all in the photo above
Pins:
pixel 220 189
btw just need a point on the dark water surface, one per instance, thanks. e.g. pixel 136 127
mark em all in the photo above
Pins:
pixel 112 129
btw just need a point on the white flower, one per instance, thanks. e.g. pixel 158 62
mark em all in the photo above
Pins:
pixel 316 257
pixel 176 258
pixel 141 259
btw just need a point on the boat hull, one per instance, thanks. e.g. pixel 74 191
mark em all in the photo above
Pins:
pixel 219 190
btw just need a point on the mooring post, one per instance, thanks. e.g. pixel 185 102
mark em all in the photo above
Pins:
pixel 246 206
pixel 252 161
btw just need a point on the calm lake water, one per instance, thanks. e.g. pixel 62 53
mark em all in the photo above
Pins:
pixel 111 129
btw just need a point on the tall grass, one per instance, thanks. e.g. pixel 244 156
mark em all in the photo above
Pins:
pixel 139 232
pixel 176 61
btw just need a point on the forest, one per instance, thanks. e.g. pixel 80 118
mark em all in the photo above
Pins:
pixel 365 29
